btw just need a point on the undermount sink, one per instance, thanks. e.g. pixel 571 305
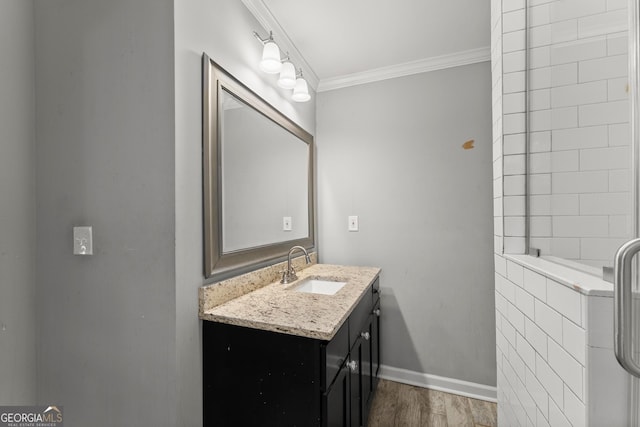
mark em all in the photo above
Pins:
pixel 319 286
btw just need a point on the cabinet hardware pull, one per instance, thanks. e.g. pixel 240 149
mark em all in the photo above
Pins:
pixel 365 335
pixel 353 365
pixel 377 312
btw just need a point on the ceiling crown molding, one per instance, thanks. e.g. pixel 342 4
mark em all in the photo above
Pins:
pixel 266 19
pixel 466 57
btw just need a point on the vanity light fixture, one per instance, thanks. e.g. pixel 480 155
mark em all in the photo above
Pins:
pixel 271 63
pixel 287 79
pixel 301 90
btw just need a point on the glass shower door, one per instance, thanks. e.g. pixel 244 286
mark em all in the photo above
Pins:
pixel 579 148
pixel 626 261
pixel 582 149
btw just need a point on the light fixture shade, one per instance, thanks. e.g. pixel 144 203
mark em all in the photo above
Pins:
pixel 301 91
pixel 270 58
pixel 287 78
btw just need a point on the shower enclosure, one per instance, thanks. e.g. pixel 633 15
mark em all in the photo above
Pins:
pixel 580 155
pixel 581 120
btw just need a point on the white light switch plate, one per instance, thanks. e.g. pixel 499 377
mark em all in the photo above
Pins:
pixel 82 240
pixel 353 223
pixel 286 223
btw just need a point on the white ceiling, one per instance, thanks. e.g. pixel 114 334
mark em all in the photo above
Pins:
pixel 345 37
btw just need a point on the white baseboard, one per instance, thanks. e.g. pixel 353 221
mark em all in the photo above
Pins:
pixel 435 382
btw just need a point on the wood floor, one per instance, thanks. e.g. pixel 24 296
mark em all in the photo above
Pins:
pixel 401 405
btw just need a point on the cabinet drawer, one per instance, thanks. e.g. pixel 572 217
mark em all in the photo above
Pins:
pixel 335 353
pixel 358 319
pixel 375 290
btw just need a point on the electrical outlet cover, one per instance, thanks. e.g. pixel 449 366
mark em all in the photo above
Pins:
pixel 286 223
pixel 82 240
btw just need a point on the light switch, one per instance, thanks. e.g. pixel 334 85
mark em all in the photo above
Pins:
pixel 353 223
pixel 82 240
pixel 286 223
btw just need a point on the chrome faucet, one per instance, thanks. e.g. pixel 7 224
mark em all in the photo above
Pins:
pixel 289 275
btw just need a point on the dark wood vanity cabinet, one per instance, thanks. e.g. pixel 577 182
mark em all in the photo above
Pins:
pixel 253 377
pixel 364 361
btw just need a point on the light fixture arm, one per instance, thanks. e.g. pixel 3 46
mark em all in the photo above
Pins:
pixel 270 39
pixel 261 40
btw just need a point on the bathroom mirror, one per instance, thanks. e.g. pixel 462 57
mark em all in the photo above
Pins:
pixel 258 177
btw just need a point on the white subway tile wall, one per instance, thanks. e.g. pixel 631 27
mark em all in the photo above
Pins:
pixel 554 349
pixel 541 349
pixel 578 119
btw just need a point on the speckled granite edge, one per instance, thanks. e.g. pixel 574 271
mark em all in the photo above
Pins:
pixel 212 295
pixel 276 307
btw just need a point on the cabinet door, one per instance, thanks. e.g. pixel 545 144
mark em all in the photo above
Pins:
pixel 259 378
pixel 367 372
pixel 357 389
pixel 333 355
pixel 375 344
pixel 336 401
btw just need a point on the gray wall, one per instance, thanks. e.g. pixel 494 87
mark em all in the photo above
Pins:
pixel 391 152
pixel 17 204
pixel 118 334
pixel 222 29
pixel 105 158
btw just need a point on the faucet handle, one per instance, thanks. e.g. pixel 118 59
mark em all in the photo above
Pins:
pixel 291 274
pixel 288 276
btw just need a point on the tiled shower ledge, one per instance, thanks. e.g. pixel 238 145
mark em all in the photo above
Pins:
pixel 584 283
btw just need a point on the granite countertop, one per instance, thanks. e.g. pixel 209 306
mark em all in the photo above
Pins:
pixel 276 307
